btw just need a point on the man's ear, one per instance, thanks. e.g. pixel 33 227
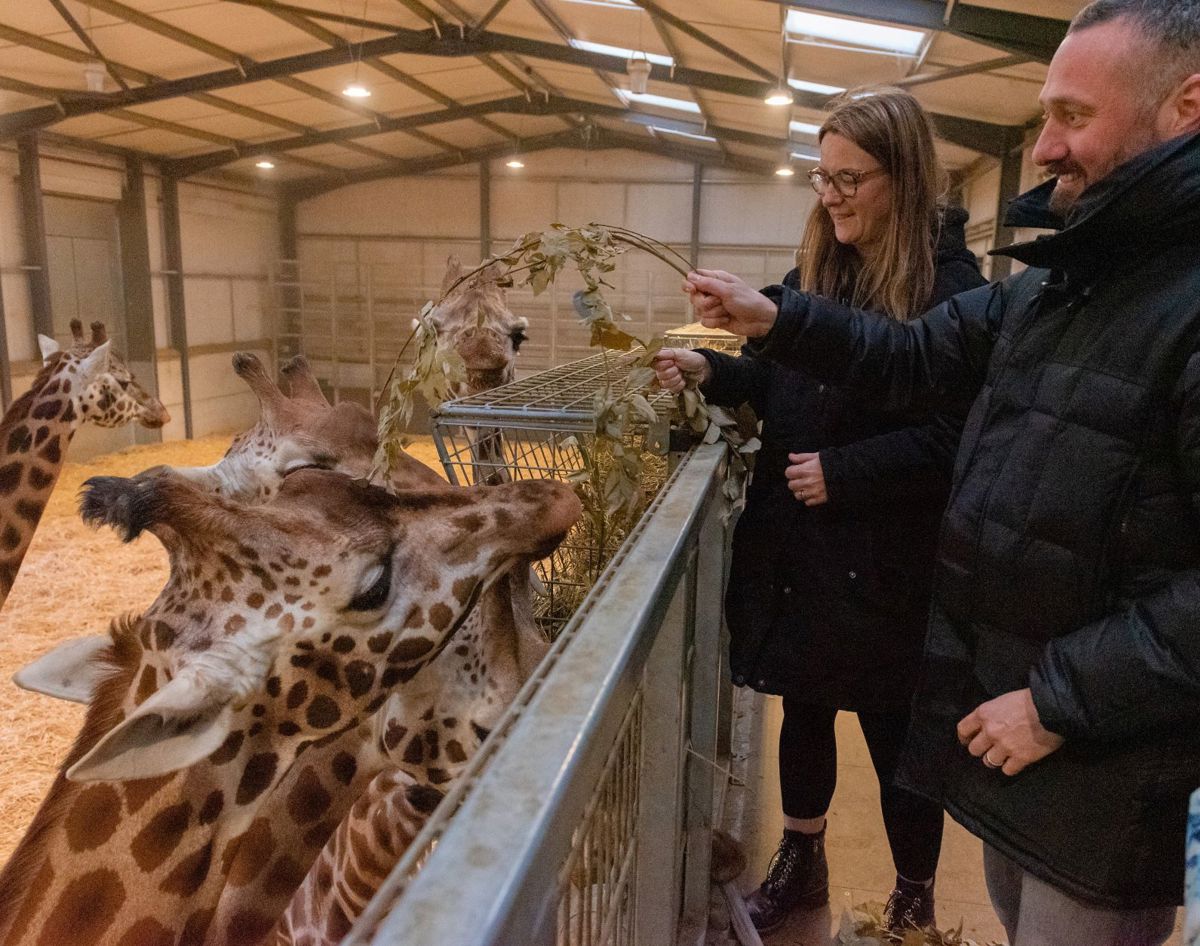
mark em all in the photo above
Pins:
pixel 1182 112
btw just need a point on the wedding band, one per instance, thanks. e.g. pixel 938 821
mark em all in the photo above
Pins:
pixel 987 760
pixel 803 494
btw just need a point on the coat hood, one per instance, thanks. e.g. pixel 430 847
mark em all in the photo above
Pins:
pixel 1153 198
pixel 952 237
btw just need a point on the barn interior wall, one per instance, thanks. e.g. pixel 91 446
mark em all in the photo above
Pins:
pixel 981 194
pixel 230 241
pixel 397 233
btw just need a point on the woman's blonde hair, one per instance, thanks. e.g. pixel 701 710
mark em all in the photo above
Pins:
pixel 892 127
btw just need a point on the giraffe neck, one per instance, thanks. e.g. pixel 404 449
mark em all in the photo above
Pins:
pixel 34 434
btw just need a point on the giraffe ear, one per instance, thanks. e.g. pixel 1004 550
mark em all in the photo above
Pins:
pixel 68 672
pixel 453 272
pixel 177 727
pixel 47 346
pixel 95 363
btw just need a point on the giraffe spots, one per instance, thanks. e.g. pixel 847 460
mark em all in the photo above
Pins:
pixel 52 451
pixel 414 752
pixel 40 479
pixel 147 685
pixel 259 710
pixel 139 791
pixel 188 876
pixel 394 675
pixel 322 713
pixel 303 660
pixel 344 766
pixel 438 776
pixel 481 733
pixel 235 624
pixel 226 594
pixel 212 806
pixel 162 834
pixel 287 728
pixel 431 740
pixel 274 610
pixel 248 855
pixel 440 616
pixel 424 798
pixel 30 509
pixel 504 518
pixel 246 552
pixel 321 571
pixel 68 413
pixel 360 676
pixel 415 617
pixel 285 877
pixel 393 734
pixel 196 927
pixel 343 645
pixel 463 588
pixel 410 649
pixel 378 643
pixel 85 910
pixel 247 927
pixel 147 932
pixel 274 687
pixel 19 439
pixel 40 437
pixel 235 569
pixel 10 477
pixel 286 623
pixel 164 635
pixel 327 670
pixel 33 900
pixel 450 722
pixel 455 751
pixel 297 694
pixel 308 800
pixel 11 537
pixel 229 748
pixel 93 818
pixel 47 410
pixel 256 778
pixel 255 599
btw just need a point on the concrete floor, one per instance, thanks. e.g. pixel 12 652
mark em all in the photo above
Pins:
pixel 860 864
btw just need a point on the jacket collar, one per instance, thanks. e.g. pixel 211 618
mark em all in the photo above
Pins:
pixel 1150 201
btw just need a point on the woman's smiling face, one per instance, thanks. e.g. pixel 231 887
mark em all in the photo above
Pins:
pixel 859 221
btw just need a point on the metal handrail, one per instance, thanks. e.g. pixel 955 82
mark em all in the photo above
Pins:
pixel 493 878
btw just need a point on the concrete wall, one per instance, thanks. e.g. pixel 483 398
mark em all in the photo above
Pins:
pixel 981 196
pixel 230 240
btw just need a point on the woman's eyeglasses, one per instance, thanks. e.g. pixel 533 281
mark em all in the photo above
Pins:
pixel 844 182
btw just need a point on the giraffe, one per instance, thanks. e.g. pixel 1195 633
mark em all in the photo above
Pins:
pixel 84 384
pixel 281 627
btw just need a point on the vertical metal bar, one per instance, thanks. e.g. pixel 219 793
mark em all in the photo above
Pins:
pixel 333 337
pixel 1010 187
pixel 697 190
pixel 371 336
pixel 141 349
pixel 176 310
pixel 5 366
pixel 33 218
pixel 485 209
pixel 288 298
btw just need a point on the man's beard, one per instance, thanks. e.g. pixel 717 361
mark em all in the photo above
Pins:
pixel 1141 138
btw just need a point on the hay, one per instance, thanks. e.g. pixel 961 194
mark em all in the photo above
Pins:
pixel 73 581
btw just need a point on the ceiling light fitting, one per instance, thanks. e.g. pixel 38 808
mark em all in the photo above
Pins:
pixel 356 91
pixel 785 170
pixel 638 68
pixel 265 164
pixel 515 163
pixel 779 96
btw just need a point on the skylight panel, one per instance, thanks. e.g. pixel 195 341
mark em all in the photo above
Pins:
pixel 819 87
pixel 683 134
pixel 892 39
pixel 621 51
pixel 660 101
pixel 804 128
pixel 619 4
pixel 805 156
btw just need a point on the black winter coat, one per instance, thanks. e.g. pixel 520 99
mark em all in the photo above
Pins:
pixel 1069 561
pixel 829 603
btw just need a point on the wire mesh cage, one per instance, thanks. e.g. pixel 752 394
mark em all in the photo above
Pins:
pixel 696 335
pixel 544 427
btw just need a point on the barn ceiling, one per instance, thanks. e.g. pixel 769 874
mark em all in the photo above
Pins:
pixel 200 85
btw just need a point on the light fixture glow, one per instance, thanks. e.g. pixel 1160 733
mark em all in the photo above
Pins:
pixel 515 163
pixel 785 170
pixel 661 101
pixel 356 91
pixel 264 164
pixel 779 96
pixel 802 25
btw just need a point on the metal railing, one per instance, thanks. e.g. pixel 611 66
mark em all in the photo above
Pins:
pixel 586 818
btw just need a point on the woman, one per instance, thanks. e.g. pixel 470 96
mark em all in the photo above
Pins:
pixel 830 582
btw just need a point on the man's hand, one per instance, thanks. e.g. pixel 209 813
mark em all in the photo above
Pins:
pixel 721 300
pixel 676 368
pixel 1006 733
pixel 806 479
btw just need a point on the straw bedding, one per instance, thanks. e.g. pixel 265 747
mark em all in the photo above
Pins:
pixel 73 581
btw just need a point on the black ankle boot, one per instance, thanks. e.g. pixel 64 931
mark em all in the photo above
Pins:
pixel 798 877
pixel 909 907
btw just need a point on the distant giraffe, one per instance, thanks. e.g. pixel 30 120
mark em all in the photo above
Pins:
pixel 84 384
pixel 282 627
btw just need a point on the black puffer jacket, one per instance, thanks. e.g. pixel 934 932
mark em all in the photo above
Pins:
pixel 829 604
pixel 1069 561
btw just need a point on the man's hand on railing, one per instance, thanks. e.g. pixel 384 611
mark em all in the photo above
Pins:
pixel 722 300
pixel 676 368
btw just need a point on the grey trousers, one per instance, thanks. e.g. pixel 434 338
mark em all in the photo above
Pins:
pixel 1037 914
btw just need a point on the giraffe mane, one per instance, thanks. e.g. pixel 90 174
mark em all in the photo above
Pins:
pixel 121 657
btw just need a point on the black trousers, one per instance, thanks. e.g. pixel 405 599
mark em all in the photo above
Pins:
pixel 808 775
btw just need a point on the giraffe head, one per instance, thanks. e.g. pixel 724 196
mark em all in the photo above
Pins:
pixel 113 397
pixel 476 322
pixel 295 432
pixel 285 623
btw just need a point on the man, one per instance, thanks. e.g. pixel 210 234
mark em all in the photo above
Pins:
pixel 1058 712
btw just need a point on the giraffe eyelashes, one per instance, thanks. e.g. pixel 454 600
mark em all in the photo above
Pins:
pixel 378 582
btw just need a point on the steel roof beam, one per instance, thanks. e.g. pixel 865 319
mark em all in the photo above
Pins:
pixel 1034 36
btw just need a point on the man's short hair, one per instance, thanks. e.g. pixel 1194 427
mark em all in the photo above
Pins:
pixel 1171 27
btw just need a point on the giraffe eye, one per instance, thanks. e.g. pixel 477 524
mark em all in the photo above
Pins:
pixel 518 336
pixel 378 585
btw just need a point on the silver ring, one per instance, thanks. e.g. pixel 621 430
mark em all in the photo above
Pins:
pixel 987 760
pixel 803 494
